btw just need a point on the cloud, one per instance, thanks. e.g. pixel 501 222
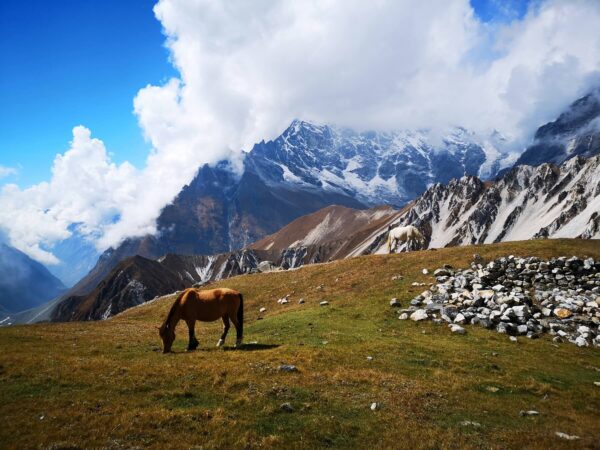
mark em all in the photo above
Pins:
pixel 7 171
pixel 86 189
pixel 246 69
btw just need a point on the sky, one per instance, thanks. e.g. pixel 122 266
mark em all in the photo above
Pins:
pixel 109 107
pixel 69 62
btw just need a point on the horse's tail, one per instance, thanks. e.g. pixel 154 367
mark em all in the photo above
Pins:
pixel 240 315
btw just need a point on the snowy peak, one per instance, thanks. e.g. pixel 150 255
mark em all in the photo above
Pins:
pixel 373 167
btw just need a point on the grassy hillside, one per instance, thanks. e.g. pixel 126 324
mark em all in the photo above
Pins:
pixel 107 383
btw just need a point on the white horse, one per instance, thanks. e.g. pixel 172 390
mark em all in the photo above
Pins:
pixel 406 234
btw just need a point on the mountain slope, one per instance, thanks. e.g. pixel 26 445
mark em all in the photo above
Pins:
pixel 547 201
pixel 132 282
pixel 24 283
pixel 576 132
pixel 334 223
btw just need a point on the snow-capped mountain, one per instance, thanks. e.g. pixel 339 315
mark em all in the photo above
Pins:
pixel 373 167
pixel 305 169
pixel 528 202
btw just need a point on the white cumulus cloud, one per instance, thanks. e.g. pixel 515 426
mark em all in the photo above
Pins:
pixel 86 188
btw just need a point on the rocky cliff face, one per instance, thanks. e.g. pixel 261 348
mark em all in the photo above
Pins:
pixel 547 201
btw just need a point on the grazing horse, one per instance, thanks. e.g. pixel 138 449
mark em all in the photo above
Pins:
pixel 205 306
pixel 406 234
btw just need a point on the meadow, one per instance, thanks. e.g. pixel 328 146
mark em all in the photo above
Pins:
pixel 107 384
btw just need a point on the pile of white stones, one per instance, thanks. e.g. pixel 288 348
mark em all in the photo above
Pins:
pixel 517 296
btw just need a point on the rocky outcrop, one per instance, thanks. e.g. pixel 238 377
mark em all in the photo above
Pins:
pixel 547 201
pixel 517 296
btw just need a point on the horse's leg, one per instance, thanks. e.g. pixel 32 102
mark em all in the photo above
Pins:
pixel 225 330
pixel 193 344
pixel 238 331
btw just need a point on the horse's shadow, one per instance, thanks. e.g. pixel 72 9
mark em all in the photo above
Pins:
pixel 243 348
pixel 252 347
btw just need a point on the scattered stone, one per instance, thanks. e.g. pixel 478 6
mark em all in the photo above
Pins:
pixel 288 368
pixel 286 407
pixel 369 358
pixel 395 302
pixel 403 316
pixel 529 413
pixel 518 297
pixel 562 313
pixel 419 314
pixel 470 423
pixel 301 301
pixel 324 303
pixel 374 406
pixel 262 310
pixel 492 389
pixel 513 338
pixel 597 383
pixel 397 278
pixel 566 436
pixel 458 329
pixel 425 271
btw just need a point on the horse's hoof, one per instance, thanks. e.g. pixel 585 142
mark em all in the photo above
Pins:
pixel 238 344
pixel 220 343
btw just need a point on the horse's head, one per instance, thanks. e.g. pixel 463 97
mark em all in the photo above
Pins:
pixel 167 334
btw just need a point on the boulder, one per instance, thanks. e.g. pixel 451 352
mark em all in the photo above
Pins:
pixel 418 315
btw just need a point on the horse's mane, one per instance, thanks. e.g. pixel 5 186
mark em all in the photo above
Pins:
pixel 172 310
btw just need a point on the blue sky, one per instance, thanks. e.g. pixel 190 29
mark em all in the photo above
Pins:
pixel 71 62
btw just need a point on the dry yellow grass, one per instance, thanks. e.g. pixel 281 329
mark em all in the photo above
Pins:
pixel 106 384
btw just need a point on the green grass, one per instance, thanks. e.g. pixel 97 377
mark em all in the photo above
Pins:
pixel 107 384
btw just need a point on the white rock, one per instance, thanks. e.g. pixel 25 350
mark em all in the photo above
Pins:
pixel 529 413
pixel 458 329
pixel 419 314
pixel 262 310
pixel 470 423
pixel 425 271
pixel 460 318
pixel 395 302
pixel 301 301
pixel 374 406
pixel 581 342
pixel 369 358
pixel 566 436
pixel 324 303
pixel 403 316
pixel 513 338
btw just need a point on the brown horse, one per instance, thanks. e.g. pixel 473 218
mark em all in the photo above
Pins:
pixel 205 306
